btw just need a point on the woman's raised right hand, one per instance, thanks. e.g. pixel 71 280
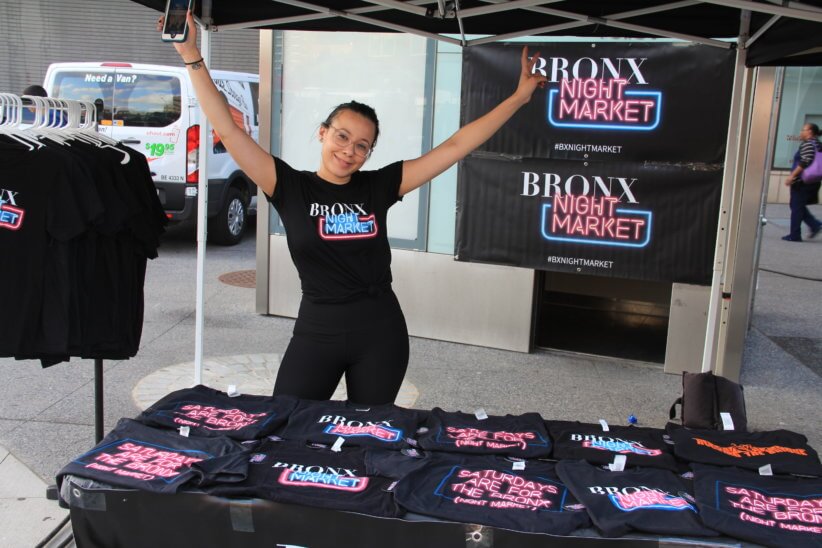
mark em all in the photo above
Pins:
pixel 188 49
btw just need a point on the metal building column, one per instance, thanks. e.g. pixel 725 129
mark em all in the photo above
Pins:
pixel 740 275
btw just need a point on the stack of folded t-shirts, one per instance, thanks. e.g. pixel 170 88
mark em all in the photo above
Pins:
pixel 516 472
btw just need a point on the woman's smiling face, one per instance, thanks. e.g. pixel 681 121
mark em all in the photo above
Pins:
pixel 343 143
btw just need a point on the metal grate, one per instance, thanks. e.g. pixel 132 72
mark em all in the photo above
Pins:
pixel 240 278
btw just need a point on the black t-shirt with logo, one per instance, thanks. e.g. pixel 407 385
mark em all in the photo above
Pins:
pixel 771 510
pixel 521 436
pixel 91 221
pixel 337 234
pixel 486 490
pixel 44 205
pixel 137 456
pixel 787 452
pixel 649 500
pixel 292 472
pixel 641 446
pixel 212 413
pixel 380 426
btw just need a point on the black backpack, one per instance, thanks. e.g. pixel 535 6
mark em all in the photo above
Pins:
pixel 705 396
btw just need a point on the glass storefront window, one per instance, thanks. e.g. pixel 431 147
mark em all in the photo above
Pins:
pixel 385 71
pixel 801 103
pixel 443 207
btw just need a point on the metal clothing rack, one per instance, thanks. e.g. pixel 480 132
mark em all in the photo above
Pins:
pixel 79 117
pixel 98 400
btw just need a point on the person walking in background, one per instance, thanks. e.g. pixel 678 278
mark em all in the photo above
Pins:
pixel 350 322
pixel 802 193
pixel 55 117
pixel 28 112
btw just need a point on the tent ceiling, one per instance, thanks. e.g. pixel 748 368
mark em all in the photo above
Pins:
pixel 784 33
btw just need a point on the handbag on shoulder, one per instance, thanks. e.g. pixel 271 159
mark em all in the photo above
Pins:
pixel 705 397
pixel 813 173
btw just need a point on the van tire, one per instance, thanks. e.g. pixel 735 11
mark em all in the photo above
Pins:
pixel 227 227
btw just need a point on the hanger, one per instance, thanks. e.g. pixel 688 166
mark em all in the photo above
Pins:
pixel 12 108
pixel 58 120
pixel 87 129
pixel 48 116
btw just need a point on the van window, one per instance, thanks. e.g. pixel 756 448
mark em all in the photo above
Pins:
pixel 142 100
pixel 86 86
pixel 146 100
pixel 255 101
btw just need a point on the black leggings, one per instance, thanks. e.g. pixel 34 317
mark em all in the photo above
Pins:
pixel 367 340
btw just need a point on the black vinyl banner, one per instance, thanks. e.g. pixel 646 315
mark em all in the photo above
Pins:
pixel 614 168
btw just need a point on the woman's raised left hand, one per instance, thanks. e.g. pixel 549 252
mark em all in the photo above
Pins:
pixel 528 80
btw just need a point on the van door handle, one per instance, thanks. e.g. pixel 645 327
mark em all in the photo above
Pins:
pixel 130 141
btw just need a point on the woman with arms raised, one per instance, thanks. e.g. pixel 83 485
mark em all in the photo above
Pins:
pixel 349 322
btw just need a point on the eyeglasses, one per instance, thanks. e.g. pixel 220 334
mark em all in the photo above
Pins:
pixel 343 139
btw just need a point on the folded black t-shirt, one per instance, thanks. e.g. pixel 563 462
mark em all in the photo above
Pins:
pixel 641 446
pixel 378 426
pixel 211 413
pixel 787 452
pixel 642 499
pixel 136 456
pixel 521 436
pixel 771 510
pixel 292 472
pixel 488 491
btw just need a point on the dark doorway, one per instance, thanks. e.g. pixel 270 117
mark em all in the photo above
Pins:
pixel 625 319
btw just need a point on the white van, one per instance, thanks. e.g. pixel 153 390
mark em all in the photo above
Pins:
pixel 152 108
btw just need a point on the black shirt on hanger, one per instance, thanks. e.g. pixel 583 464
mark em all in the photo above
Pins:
pixel 89 288
pixel 43 206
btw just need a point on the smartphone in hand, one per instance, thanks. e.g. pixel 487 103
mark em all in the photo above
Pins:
pixel 175 26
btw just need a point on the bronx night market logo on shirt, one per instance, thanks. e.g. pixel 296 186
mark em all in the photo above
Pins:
pixel 340 221
pixel 379 430
pixel 323 477
pixel 615 445
pixel 629 499
pixel 11 216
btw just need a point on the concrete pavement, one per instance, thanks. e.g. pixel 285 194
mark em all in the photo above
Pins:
pixel 46 416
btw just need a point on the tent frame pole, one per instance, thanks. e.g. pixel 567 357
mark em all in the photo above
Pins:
pixel 202 205
pixel 731 186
